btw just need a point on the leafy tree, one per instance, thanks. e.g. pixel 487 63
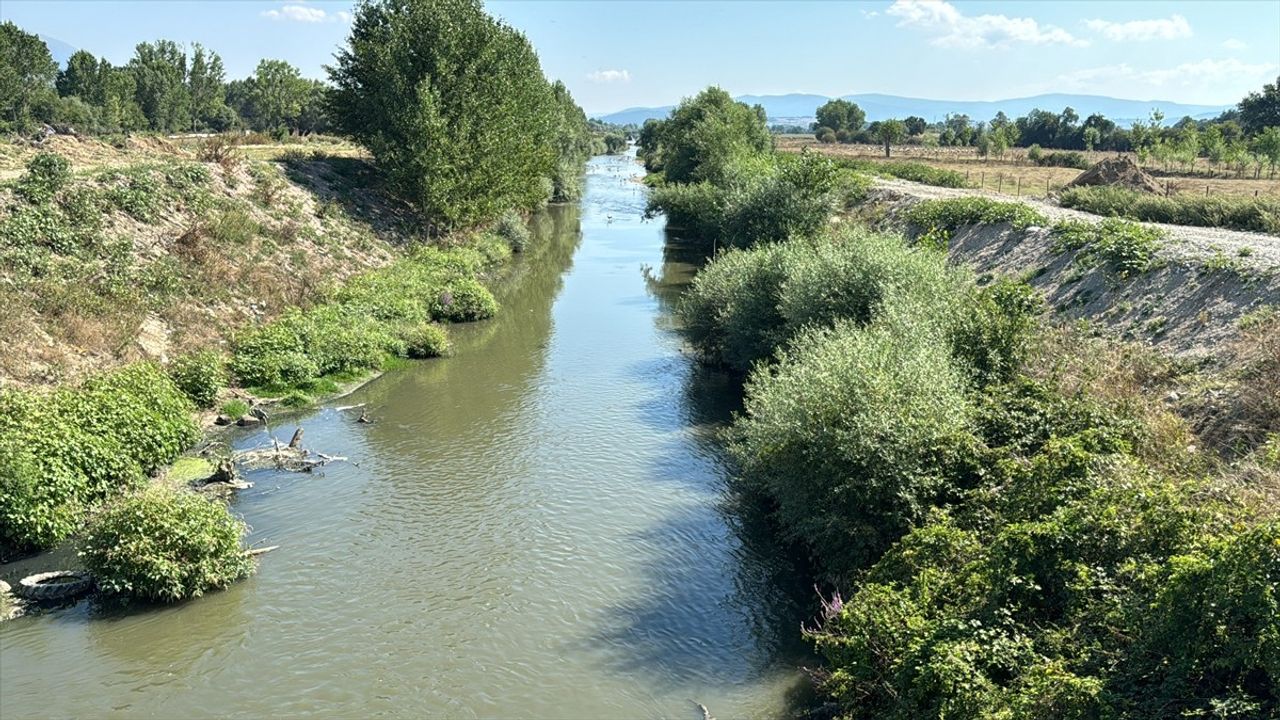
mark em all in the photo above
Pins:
pixel 160 70
pixel 82 78
pixel 313 116
pixel 917 125
pixel 649 142
pixel 452 103
pixel 277 94
pixel 841 115
pixel 707 132
pixel 889 132
pixel 1267 145
pixel 207 84
pixel 1261 110
pixel 27 73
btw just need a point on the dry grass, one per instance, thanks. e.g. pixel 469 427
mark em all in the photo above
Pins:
pixel 1015 175
pixel 238 260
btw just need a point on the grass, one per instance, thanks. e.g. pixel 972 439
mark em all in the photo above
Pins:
pixel 1251 214
pixel 1126 248
pixel 938 219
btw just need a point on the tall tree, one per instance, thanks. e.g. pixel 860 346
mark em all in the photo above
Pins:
pixel 841 115
pixel 81 78
pixel 889 132
pixel 206 82
pixel 707 132
pixel 27 73
pixel 452 103
pixel 277 94
pixel 1261 110
pixel 160 71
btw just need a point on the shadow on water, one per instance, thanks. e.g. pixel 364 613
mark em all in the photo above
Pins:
pixel 738 571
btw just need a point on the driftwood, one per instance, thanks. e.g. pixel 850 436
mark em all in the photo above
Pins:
pixel 292 457
pixel 261 551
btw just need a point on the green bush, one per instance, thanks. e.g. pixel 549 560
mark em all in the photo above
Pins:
pixel 908 170
pixel 165 545
pixel 953 213
pixel 513 229
pixel 63 451
pixel 848 434
pixel 745 304
pixel 1067 159
pixel 1124 247
pixel 995 328
pixel 47 173
pixel 1226 211
pixel 730 313
pixel 234 408
pixel 201 375
pixel 426 340
pixel 795 201
pixel 695 209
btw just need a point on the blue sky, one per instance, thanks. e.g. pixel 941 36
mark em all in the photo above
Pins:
pixel 618 54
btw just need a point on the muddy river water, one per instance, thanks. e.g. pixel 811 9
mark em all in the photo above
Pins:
pixel 538 526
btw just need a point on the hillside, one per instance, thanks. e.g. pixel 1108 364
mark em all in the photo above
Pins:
pixel 801 107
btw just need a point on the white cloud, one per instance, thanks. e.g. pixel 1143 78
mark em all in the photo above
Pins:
pixel 953 29
pixel 296 12
pixel 609 76
pixel 1170 28
pixel 1206 78
pixel 869 13
pixel 1234 44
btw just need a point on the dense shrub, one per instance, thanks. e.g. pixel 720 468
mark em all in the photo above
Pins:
pixel 848 433
pixel 426 340
pixel 1124 247
pixel 47 173
pixel 1067 159
pixel 908 170
pixel 745 304
pixel 513 229
pixel 1227 211
pixel 730 314
pixel 61 452
pixel 165 545
pixel 695 210
pixel 200 375
pixel 994 329
pixel 1041 590
pixel 950 214
pixel 795 201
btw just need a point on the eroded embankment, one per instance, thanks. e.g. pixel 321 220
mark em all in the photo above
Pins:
pixel 1189 301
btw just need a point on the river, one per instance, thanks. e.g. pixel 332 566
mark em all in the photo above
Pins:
pixel 537 526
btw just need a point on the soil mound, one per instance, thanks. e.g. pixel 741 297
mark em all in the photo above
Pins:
pixel 1117 172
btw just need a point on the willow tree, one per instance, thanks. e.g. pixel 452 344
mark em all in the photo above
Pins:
pixel 706 132
pixel 452 104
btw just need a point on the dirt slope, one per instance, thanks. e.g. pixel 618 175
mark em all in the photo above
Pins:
pixel 1190 305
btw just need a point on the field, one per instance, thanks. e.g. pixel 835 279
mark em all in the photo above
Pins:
pixel 1015 175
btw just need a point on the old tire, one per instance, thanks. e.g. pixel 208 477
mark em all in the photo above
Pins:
pixel 56 585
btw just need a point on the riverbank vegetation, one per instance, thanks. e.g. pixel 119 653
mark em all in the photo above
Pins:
pixel 1009 519
pixel 720 182
pixel 284 272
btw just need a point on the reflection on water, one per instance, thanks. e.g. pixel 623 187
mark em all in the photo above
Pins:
pixel 538 526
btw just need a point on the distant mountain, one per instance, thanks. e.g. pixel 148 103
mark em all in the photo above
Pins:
pixel 60 51
pixel 800 108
